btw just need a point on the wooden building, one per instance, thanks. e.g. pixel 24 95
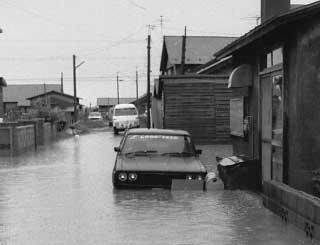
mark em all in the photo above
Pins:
pixel 276 106
pixel 196 103
pixel 3 83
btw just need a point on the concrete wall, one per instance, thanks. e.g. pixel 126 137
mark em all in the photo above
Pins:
pixel 47 131
pixel 23 138
pixel 297 207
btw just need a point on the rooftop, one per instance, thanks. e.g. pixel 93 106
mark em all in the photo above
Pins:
pixel 20 92
pixel 113 101
pixel 199 49
pixel 157 131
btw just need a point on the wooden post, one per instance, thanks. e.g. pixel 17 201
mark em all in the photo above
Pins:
pixel 183 53
pixel 75 110
pixel 148 80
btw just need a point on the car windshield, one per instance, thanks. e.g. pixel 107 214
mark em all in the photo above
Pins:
pixel 125 112
pixel 174 145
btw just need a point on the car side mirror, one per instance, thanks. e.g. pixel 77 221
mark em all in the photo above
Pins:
pixel 198 151
pixel 117 149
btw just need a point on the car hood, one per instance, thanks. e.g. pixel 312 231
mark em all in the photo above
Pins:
pixel 159 164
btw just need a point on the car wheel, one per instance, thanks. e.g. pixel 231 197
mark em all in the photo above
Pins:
pixel 115 131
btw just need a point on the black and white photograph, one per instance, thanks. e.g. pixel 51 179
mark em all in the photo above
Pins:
pixel 179 122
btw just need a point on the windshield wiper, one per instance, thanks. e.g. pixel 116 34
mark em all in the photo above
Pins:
pixel 182 154
pixel 139 153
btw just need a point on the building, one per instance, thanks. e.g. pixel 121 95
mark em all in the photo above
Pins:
pixel 275 107
pixel 3 83
pixel 15 96
pixel 199 50
pixel 58 101
pixel 104 104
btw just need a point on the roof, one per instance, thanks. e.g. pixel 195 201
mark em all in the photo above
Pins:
pixel 199 49
pixel 51 92
pixel 121 106
pixel 157 131
pixel 113 101
pixel 213 63
pixel 281 20
pixel 20 92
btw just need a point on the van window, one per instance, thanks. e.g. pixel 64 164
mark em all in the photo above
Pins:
pixel 125 112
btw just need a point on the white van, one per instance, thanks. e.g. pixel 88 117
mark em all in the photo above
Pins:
pixel 125 116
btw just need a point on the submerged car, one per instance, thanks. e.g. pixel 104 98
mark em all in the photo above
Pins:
pixel 157 158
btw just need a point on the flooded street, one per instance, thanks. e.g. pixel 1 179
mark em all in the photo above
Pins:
pixel 63 194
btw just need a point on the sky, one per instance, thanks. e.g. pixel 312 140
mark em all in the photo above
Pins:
pixel 40 36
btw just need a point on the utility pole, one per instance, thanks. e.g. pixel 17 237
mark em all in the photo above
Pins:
pixel 118 88
pixel 183 53
pixel 75 109
pixel 148 80
pixel 137 93
pixel 61 80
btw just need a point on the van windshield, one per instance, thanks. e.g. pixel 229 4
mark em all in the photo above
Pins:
pixel 125 112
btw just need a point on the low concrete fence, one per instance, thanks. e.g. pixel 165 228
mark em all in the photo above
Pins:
pixel 293 206
pixel 18 137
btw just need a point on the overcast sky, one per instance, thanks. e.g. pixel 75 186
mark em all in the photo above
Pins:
pixel 40 36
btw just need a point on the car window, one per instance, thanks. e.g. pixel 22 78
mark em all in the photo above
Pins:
pixel 125 112
pixel 160 144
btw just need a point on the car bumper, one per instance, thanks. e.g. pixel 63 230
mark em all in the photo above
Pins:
pixel 122 127
pixel 160 180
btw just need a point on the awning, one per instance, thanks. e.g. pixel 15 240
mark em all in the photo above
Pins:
pixel 240 77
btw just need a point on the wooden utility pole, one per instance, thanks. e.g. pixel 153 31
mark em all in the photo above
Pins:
pixel 61 80
pixel 118 88
pixel 75 109
pixel 183 53
pixel 148 80
pixel 137 93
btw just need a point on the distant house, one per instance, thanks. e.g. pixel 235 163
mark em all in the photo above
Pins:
pixel 15 96
pixel 104 104
pixel 2 84
pixel 199 50
pixel 53 100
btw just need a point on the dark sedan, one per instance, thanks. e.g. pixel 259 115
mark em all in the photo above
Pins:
pixel 157 158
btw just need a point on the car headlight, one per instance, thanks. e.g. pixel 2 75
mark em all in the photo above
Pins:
pixel 122 176
pixel 133 176
pixel 189 177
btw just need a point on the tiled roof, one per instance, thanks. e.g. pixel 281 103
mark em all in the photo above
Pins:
pixel 113 101
pixel 20 92
pixel 199 49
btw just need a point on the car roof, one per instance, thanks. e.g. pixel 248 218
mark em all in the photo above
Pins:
pixel 157 131
pixel 119 106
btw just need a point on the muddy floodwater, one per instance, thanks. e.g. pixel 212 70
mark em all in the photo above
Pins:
pixel 63 194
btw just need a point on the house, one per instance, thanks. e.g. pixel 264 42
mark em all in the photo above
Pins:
pixel 3 83
pixel 274 111
pixel 199 50
pixel 56 100
pixel 104 104
pixel 15 96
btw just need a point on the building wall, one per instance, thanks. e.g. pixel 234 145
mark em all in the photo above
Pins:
pixel 198 105
pixel 23 138
pixel 304 106
pixel 1 102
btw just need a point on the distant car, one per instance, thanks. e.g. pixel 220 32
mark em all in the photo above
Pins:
pixel 95 116
pixel 125 116
pixel 155 158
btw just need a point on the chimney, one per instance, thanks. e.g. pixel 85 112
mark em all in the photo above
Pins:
pixel 270 8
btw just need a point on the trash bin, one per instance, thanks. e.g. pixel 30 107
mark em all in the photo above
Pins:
pixel 239 172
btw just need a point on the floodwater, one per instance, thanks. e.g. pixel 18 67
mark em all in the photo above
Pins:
pixel 62 194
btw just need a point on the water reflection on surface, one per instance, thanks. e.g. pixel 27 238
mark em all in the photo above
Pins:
pixel 63 194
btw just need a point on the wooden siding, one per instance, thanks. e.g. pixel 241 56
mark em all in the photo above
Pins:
pixel 200 107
